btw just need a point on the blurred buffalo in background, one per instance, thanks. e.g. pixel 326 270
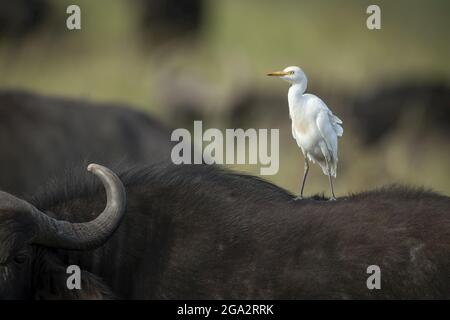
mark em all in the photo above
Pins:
pixel 159 21
pixel 19 18
pixel 41 137
pixel 163 21
pixel 380 111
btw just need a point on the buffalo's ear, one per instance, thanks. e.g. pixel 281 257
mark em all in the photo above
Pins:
pixel 51 284
pixel 93 288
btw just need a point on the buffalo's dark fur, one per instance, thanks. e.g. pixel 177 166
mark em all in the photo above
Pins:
pixel 42 136
pixel 202 232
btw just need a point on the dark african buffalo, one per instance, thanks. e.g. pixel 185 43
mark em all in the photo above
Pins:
pixel 165 21
pixel 201 232
pixel 21 224
pixel 379 112
pixel 20 18
pixel 40 137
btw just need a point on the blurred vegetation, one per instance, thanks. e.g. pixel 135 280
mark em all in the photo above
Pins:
pixel 111 59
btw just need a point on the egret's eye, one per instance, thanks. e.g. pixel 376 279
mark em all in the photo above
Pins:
pixel 291 72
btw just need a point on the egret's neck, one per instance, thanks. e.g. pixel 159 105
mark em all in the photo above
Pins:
pixel 295 93
pixel 298 88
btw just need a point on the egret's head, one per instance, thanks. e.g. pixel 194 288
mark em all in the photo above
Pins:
pixel 293 75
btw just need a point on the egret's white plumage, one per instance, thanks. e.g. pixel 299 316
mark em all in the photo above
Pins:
pixel 314 126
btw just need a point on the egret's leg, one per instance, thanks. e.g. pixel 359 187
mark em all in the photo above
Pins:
pixel 333 197
pixel 305 174
pixel 330 179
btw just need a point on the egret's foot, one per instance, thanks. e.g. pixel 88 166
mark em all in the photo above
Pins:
pixel 298 198
pixel 332 199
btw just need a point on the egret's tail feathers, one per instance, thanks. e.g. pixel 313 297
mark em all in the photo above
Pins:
pixel 337 120
pixel 339 130
pixel 336 126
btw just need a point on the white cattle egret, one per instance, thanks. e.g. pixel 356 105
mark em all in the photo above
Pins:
pixel 314 126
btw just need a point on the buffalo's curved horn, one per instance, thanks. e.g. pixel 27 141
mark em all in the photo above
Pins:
pixel 87 235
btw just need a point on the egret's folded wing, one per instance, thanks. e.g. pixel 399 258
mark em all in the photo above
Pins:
pixel 334 121
pixel 325 124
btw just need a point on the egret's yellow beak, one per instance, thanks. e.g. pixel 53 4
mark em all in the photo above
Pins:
pixel 278 73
